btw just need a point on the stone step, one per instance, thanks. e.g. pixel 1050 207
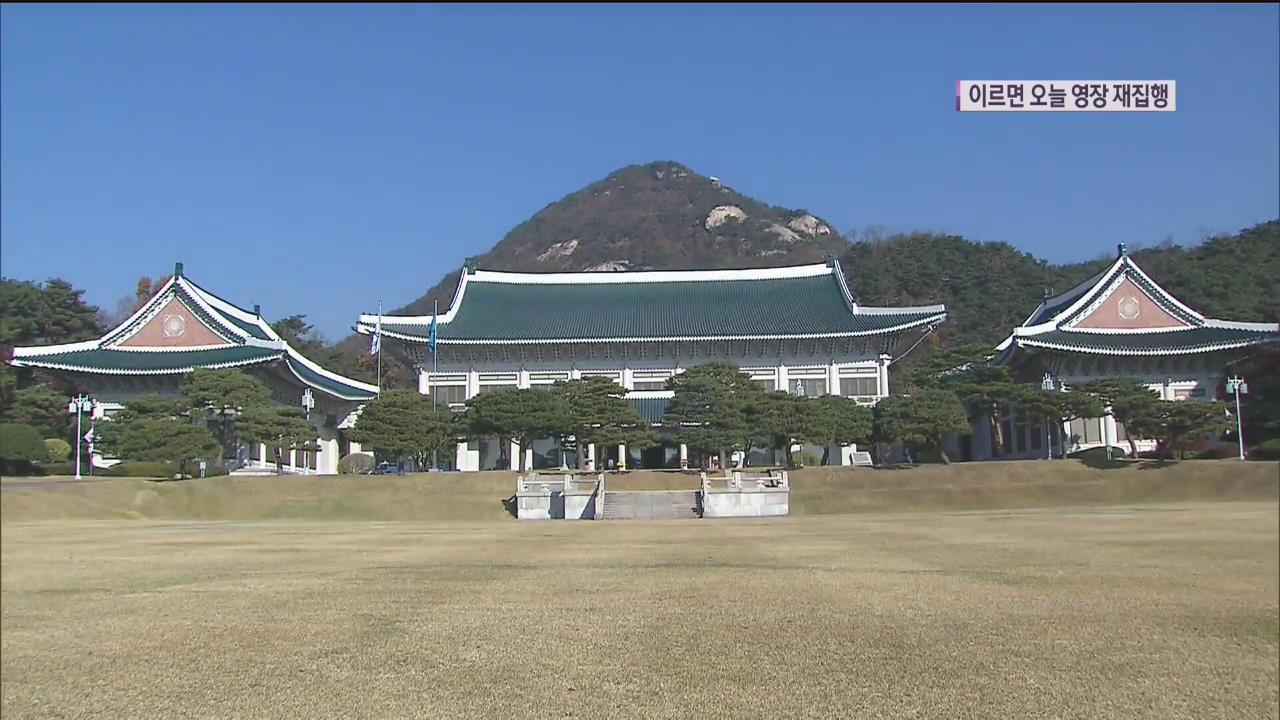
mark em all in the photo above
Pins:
pixel 653 505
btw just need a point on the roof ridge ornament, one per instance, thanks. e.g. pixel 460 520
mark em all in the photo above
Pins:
pixel 177 269
pixel 831 258
pixel 469 265
pixel 1045 294
pixel 1122 250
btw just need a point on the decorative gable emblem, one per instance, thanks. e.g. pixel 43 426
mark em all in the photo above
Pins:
pixel 1129 308
pixel 174 325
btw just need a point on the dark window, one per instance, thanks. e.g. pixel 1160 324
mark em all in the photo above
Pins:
pixel 451 394
pixel 859 386
pixel 649 385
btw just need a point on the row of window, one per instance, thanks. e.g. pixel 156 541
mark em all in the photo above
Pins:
pixel 867 386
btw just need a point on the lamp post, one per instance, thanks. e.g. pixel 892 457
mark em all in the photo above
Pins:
pixel 78 405
pixel 1237 385
pixel 1046 384
pixel 308 402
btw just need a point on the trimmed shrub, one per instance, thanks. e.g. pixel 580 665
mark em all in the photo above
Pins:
pixel 356 464
pixel 144 469
pixel 56 450
pixel 1219 451
pixel 160 470
pixel 20 445
pixel 1269 450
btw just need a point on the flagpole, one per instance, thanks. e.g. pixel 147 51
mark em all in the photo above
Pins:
pixel 435 309
pixel 378 339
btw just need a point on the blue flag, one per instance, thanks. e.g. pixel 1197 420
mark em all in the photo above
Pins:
pixel 431 335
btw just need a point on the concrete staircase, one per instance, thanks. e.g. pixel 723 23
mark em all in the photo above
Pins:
pixel 651 505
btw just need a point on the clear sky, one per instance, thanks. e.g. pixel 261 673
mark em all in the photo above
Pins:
pixel 316 159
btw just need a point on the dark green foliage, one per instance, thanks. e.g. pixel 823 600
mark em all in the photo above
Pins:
pixel 922 417
pixel 356 464
pixel 43 408
pixel 152 406
pixel 45 314
pixel 1132 403
pixel 1174 423
pixel 157 439
pixel 845 422
pixel 521 415
pixel 781 419
pixel 219 391
pixel 1261 405
pixel 598 413
pixel 402 423
pixel 710 411
pixel 20 445
pixel 281 429
pixel 156 470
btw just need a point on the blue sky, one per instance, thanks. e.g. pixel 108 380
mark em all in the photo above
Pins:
pixel 316 159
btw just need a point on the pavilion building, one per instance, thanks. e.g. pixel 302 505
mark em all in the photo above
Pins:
pixel 1118 323
pixel 792 328
pixel 184 327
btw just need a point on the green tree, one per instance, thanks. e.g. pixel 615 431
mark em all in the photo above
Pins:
pixel 921 417
pixel 709 410
pixel 1132 404
pixel 20 445
pixel 156 438
pixel 43 408
pixel 152 405
pixel 1261 405
pixel 402 423
pixel 281 429
pixel 1171 422
pixel 520 415
pixel 784 419
pixel 19 312
pixel 599 413
pixel 63 317
pixel 846 423
pixel 218 392
pixel 1058 407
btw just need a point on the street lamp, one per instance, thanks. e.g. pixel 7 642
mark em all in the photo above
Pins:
pixel 1046 384
pixel 308 402
pixel 78 405
pixel 1237 385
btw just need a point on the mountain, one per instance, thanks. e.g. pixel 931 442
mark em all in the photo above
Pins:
pixel 664 216
pixel 660 216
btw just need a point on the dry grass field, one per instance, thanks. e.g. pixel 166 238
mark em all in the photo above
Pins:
pixel 1151 611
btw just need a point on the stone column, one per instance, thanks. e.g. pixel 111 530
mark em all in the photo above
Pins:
pixel 783 380
pixel 684 455
pixel 424 380
pixel 882 375
pixel 627 380
pixel 522 379
pixel 622 456
pixel 591 457
pixel 833 380
pixel 514 456
pixel 473 383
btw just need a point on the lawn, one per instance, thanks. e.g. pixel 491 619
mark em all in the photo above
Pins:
pixel 1150 611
